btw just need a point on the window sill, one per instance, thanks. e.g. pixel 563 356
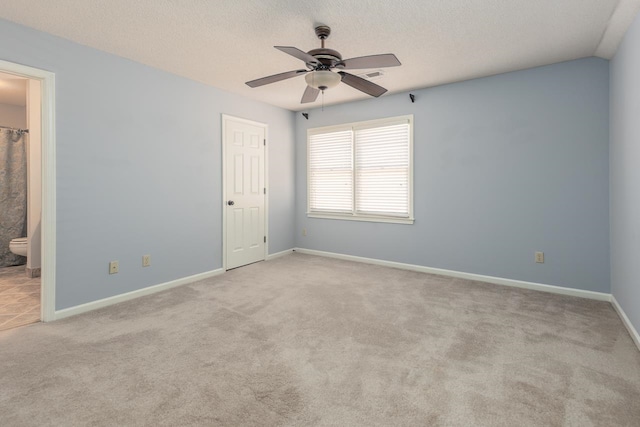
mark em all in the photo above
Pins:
pixel 367 218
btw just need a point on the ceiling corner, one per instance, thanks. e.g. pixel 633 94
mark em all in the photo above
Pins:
pixel 619 22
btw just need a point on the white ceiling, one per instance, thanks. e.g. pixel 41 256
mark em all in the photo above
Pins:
pixel 13 90
pixel 227 42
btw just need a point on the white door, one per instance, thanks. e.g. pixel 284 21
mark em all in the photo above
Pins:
pixel 245 191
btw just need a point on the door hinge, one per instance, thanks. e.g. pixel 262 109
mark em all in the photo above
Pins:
pixel 265 239
pixel 265 190
pixel 264 142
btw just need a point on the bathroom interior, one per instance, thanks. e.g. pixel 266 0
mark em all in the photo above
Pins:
pixel 20 201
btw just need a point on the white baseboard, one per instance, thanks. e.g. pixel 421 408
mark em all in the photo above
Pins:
pixel 279 254
pixel 94 305
pixel 625 320
pixel 601 296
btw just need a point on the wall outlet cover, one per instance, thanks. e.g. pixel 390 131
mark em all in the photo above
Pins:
pixel 113 267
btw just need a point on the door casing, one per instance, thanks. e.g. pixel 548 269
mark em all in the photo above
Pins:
pixel 48 184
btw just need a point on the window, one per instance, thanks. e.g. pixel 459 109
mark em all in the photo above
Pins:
pixel 362 171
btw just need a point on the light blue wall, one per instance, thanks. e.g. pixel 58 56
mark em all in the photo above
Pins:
pixel 504 166
pixel 139 168
pixel 625 174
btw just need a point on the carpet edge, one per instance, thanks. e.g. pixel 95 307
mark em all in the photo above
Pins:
pixel 626 322
pixel 600 296
pixel 105 302
pixel 279 254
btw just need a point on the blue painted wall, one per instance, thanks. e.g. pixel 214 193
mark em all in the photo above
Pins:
pixel 625 174
pixel 504 166
pixel 139 167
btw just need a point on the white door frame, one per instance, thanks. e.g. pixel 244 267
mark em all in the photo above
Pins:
pixel 225 118
pixel 48 219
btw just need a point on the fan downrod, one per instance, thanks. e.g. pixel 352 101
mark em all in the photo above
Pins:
pixel 328 58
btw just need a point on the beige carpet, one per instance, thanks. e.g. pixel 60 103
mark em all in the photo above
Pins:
pixel 303 340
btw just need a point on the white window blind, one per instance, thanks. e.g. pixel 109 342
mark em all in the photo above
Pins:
pixel 362 171
pixel 331 172
pixel 382 170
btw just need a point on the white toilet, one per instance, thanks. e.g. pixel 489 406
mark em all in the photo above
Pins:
pixel 18 246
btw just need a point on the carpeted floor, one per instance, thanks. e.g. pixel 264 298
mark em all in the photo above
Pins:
pixel 304 340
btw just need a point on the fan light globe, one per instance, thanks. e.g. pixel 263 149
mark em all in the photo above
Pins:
pixel 323 79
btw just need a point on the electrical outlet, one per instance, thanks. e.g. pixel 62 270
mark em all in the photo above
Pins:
pixel 304 231
pixel 146 260
pixel 113 267
pixel 540 257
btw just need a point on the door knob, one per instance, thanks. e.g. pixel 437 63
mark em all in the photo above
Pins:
pixel 230 203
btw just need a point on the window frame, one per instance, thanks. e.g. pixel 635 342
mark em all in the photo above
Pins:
pixel 354 215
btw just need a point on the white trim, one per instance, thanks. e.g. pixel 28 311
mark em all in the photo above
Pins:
pixel 226 117
pixel 48 220
pixel 470 276
pixel 279 254
pixel 627 323
pixel 105 302
pixel 367 218
pixel 366 124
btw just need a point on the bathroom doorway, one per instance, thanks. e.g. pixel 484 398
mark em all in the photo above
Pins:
pixel 20 207
pixel 26 138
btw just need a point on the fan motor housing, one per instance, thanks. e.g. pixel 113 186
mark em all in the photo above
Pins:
pixel 327 57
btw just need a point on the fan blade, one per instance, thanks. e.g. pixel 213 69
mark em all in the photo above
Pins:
pixel 310 94
pixel 373 61
pixel 361 84
pixel 294 51
pixel 275 78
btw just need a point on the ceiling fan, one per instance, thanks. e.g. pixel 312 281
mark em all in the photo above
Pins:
pixel 320 63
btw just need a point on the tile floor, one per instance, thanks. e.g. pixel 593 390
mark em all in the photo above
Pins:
pixel 19 298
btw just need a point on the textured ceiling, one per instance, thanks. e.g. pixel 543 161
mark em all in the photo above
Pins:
pixel 13 90
pixel 225 43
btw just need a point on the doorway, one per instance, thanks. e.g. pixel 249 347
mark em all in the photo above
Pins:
pixel 27 291
pixel 244 192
